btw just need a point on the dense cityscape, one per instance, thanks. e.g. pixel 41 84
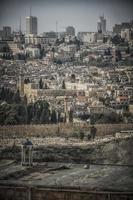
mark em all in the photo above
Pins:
pixel 88 76
pixel 66 112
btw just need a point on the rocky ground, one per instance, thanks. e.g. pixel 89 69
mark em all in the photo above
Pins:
pixel 104 164
pixel 109 150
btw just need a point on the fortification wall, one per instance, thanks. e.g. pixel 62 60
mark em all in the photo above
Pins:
pixel 61 130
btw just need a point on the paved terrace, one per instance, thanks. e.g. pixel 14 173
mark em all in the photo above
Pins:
pixel 93 177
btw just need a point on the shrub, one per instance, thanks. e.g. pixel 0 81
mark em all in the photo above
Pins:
pixel 81 135
pixel 75 134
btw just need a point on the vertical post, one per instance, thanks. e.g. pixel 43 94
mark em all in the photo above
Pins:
pixel 109 196
pixel 22 155
pixel 29 194
pixel 29 155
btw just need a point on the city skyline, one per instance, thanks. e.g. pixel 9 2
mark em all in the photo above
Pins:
pixel 82 15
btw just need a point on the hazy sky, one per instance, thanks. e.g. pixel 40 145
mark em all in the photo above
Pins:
pixel 82 14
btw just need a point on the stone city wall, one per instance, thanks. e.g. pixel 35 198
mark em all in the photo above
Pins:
pixel 61 130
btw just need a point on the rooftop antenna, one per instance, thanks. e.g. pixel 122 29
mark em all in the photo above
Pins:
pixel 30 11
pixel 20 25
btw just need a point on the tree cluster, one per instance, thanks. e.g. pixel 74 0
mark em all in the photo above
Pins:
pixel 15 110
pixel 9 96
pixel 106 118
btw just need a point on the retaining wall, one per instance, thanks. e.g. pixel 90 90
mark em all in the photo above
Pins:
pixel 59 129
pixel 24 193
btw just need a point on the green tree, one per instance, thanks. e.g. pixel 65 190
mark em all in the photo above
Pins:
pixel 22 114
pixel 63 85
pixel 8 114
pixel 16 97
pixel 44 118
pixel 53 117
pixel 25 100
pixel 116 40
pixel 30 112
pixel 2 93
pixel 41 112
pixel 40 83
pixel 71 115
pixel 93 131
pixel 37 111
pixel 81 135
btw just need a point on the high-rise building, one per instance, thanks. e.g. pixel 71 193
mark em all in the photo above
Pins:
pixel 119 27
pixel 70 30
pixel 31 25
pixel 99 28
pixel 101 25
pixel 7 31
